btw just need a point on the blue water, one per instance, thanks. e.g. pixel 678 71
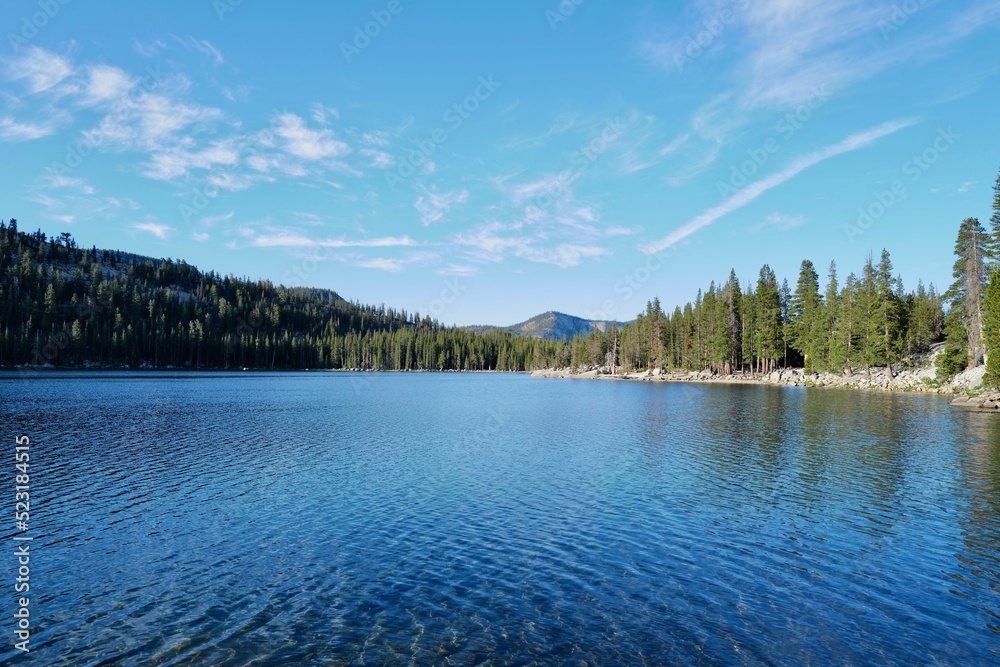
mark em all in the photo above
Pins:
pixel 447 519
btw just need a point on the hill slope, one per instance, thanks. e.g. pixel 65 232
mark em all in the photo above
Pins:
pixel 551 326
pixel 61 305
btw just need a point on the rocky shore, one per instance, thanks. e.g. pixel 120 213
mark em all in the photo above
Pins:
pixel 989 402
pixel 922 379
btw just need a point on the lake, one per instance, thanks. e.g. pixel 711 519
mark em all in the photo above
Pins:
pixel 460 519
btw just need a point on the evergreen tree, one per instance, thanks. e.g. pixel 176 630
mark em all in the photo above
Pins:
pixel 994 242
pixel 884 323
pixel 991 330
pixel 955 357
pixel 805 313
pixel 770 323
pixel 832 350
pixel 966 293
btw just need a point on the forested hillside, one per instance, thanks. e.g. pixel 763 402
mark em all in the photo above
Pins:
pixel 66 306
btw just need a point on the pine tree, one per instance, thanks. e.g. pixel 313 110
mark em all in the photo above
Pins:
pixel 748 334
pixel 804 316
pixel 994 242
pixel 955 357
pixel 733 300
pixel 991 330
pixel 925 322
pixel 833 349
pixel 966 293
pixel 770 324
pixel 884 324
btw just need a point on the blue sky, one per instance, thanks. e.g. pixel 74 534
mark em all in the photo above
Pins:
pixel 485 162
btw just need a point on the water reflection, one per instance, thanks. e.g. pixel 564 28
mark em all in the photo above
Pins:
pixel 429 519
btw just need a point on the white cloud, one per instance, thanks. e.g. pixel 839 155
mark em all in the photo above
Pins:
pixel 11 130
pixel 41 69
pixel 675 145
pixel 152 122
pixel 490 242
pixel 156 229
pixel 395 264
pixel 551 186
pixel 779 221
pixel 380 159
pixel 375 138
pixel 433 207
pixel 62 181
pixel 173 163
pixel 458 270
pixel 383 264
pixel 784 48
pixel 323 114
pixel 306 143
pixel 202 46
pixel 149 49
pixel 756 189
pixel 564 256
pixel 106 83
pixel 291 239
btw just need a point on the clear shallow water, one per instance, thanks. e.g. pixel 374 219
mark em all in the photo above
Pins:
pixel 328 519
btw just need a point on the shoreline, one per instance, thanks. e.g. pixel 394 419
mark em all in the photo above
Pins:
pixel 904 382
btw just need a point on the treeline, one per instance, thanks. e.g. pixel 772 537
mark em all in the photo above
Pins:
pixel 66 306
pixel 869 321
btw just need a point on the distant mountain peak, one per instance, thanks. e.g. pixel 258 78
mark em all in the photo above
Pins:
pixel 553 325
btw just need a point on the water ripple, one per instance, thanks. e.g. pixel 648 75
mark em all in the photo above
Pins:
pixel 271 519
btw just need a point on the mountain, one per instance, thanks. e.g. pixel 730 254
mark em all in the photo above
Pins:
pixel 551 326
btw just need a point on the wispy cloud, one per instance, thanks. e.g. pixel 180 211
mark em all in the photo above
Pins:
pixel 202 46
pixel 176 162
pixel 297 240
pixel 105 84
pixel 154 228
pixel 69 182
pixel 754 190
pixel 148 49
pixel 152 122
pixel 782 222
pixel 304 142
pixel 675 145
pixel 39 68
pixel 433 206
pixel 11 130
pixel 396 264
pixel 457 270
